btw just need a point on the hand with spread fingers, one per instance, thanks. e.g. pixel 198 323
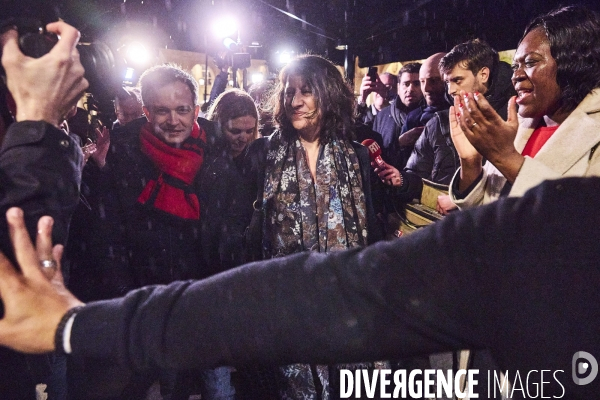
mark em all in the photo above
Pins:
pixel 88 150
pixel 470 159
pixel 489 133
pixel 45 88
pixel 463 147
pixel 35 298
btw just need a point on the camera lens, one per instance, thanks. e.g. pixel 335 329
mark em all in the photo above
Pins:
pixel 100 71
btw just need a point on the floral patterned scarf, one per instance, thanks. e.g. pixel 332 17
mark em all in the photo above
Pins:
pixel 301 214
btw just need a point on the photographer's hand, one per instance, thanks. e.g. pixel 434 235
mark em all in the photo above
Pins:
pixel 44 89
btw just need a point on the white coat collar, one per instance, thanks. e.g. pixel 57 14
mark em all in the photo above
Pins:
pixel 573 138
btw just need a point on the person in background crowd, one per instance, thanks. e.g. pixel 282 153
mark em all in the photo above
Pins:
pixel 224 196
pixel 224 207
pixel 220 81
pixel 556 73
pixel 261 92
pixel 312 184
pixel 472 66
pixel 389 122
pixel 432 87
pixel 384 89
pixel 128 106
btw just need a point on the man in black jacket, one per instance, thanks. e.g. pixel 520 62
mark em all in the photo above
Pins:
pixel 390 120
pixel 149 191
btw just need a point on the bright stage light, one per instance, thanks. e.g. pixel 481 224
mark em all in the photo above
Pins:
pixel 285 57
pixel 257 77
pixel 225 27
pixel 137 53
pixel 230 44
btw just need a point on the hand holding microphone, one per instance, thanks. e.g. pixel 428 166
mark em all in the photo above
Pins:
pixel 388 174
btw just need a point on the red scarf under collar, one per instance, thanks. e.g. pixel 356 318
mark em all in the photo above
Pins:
pixel 172 192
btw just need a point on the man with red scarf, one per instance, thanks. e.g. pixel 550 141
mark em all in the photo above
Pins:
pixel 148 206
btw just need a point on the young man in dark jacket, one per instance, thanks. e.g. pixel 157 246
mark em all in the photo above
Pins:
pixel 390 120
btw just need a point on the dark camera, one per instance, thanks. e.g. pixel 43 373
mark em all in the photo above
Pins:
pixel 97 58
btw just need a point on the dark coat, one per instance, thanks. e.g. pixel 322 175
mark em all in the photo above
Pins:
pixel 40 170
pixel 226 210
pixel 434 157
pixel 389 123
pixel 519 276
pixel 365 114
pixel 139 245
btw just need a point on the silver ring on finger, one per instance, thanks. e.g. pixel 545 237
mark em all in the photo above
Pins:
pixel 49 268
pixel 50 263
pixel 474 125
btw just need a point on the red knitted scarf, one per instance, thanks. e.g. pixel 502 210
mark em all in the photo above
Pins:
pixel 173 192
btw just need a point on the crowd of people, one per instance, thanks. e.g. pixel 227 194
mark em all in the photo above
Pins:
pixel 171 198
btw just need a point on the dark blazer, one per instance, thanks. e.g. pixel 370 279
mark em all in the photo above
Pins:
pixel 519 276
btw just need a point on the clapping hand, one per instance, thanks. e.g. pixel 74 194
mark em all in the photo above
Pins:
pixel 488 133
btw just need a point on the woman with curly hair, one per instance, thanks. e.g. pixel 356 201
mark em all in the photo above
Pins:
pixel 313 184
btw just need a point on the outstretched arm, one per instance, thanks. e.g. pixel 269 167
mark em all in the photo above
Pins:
pixel 392 299
pixel 499 276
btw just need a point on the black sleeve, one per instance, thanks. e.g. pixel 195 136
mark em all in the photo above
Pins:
pixel 237 211
pixel 452 285
pixel 374 192
pixel 422 156
pixel 461 195
pixel 40 171
pixel 411 189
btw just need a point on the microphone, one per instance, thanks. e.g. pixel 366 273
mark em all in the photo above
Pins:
pixel 374 151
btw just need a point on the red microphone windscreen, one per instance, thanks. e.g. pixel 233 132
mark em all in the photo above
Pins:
pixel 374 150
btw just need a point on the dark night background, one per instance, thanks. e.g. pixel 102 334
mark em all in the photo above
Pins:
pixel 378 31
